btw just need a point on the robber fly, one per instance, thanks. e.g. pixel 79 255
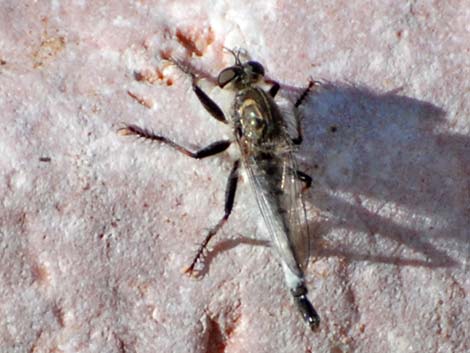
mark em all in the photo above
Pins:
pixel 266 147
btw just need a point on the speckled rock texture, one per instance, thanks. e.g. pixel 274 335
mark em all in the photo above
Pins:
pixel 96 228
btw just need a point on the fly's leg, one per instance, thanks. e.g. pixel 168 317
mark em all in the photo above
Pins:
pixel 274 88
pixel 298 140
pixel 305 93
pixel 209 105
pixel 212 149
pixel 305 178
pixel 230 191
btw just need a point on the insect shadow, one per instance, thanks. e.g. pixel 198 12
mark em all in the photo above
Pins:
pixel 225 244
pixel 362 146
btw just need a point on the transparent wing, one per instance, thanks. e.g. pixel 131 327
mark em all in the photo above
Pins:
pixel 276 186
pixel 300 235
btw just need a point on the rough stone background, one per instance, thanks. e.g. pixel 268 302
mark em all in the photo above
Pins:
pixel 95 228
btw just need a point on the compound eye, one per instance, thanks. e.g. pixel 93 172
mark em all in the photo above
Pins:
pixel 256 67
pixel 228 75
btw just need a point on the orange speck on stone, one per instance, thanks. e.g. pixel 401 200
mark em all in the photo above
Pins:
pixel 195 41
pixel 147 103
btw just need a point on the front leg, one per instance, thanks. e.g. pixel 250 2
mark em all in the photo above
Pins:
pixel 209 105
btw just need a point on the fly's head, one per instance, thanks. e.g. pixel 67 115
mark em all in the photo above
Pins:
pixel 241 75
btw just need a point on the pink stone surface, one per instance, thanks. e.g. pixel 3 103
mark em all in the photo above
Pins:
pixel 95 228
